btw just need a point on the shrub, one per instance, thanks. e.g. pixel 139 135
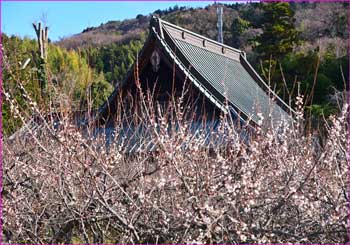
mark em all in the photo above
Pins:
pixel 61 184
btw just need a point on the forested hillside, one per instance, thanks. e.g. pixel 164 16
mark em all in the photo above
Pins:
pixel 319 24
pixel 319 31
pixel 287 44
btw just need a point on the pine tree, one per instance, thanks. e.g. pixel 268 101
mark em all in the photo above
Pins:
pixel 238 26
pixel 279 33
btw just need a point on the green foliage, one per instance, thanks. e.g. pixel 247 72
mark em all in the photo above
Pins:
pixel 322 88
pixel 301 67
pixel 113 60
pixel 279 33
pixel 252 13
pixel 16 52
pixel 70 78
pixel 169 10
pixel 274 47
pixel 335 68
pixel 96 93
pixel 74 77
pixel 323 110
pixel 238 26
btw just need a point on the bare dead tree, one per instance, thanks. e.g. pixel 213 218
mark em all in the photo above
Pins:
pixel 42 37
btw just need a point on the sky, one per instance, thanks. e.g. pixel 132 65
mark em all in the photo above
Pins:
pixel 67 18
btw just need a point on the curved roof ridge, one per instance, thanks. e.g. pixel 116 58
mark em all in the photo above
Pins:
pixel 163 22
pixel 238 55
pixel 220 72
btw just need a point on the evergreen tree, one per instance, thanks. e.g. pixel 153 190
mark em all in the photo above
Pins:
pixel 238 26
pixel 279 33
